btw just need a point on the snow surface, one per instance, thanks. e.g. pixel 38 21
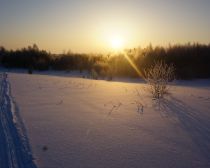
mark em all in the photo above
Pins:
pixel 14 150
pixel 75 122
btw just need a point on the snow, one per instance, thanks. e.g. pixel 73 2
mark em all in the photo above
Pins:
pixel 15 151
pixel 76 122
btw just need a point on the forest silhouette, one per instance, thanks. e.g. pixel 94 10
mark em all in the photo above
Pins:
pixel 190 60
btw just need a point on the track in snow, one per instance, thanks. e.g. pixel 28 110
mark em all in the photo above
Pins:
pixel 14 147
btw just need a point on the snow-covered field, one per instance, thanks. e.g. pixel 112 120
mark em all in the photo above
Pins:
pixel 74 122
pixel 14 147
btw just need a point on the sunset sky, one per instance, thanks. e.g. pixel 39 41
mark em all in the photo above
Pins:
pixel 97 26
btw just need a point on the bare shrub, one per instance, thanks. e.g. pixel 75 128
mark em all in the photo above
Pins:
pixel 94 74
pixel 30 70
pixel 158 77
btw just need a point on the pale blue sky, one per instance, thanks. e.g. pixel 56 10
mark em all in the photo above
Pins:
pixel 87 25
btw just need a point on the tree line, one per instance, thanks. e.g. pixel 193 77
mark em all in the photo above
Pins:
pixel 189 60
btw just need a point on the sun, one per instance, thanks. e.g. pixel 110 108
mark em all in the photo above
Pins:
pixel 117 42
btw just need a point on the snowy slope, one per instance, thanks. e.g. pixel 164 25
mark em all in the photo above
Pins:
pixel 74 122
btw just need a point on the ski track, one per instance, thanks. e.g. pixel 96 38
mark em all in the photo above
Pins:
pixel 15 151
